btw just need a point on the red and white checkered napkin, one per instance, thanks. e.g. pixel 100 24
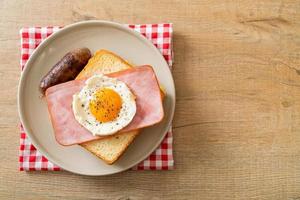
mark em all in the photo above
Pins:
pixel 161 159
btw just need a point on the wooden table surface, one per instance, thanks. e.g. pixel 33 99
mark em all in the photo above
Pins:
pixel 237 120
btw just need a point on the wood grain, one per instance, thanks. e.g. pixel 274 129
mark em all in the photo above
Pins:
pixel 237 120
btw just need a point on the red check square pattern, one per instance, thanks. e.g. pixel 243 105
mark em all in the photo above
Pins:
pixel 160 35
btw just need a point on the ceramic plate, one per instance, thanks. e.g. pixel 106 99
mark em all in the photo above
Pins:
pixel 95 35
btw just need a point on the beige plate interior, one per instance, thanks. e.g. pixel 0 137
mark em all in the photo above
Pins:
pixel 94 35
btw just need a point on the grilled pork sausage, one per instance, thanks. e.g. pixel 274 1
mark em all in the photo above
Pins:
pixel 66 69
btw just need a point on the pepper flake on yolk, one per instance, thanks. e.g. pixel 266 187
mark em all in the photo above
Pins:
pixel 105 105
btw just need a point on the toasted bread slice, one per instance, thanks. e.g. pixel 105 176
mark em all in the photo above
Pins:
pixel 111 148
pixel 104 62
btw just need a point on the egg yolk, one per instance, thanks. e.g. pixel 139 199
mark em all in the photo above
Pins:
pixel 105 105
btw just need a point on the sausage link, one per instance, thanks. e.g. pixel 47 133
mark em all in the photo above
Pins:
pixel 66 69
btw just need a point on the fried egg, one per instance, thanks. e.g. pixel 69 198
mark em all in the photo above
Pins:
pixel 104 105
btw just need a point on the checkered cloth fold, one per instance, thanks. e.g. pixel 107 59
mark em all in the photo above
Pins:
pixel 160 35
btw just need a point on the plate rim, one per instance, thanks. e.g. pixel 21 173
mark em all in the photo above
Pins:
pixel 41 47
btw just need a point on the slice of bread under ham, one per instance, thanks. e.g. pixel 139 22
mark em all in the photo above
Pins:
pixel 108 148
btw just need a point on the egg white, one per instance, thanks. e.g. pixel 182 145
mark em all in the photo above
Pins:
pixel 81 110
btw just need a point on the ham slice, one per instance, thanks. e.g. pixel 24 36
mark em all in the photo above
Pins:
pixel 142 82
